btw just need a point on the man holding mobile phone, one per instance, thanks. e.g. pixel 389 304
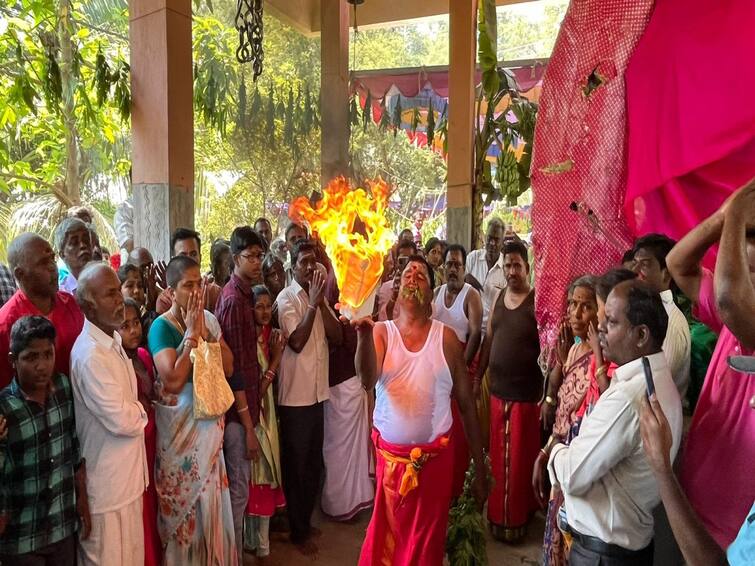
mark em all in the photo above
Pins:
pixel 609 488
pixel 388 293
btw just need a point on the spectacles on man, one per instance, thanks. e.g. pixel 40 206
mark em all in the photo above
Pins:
pixel 253 256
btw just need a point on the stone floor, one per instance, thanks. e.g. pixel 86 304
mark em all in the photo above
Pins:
pixel 340 544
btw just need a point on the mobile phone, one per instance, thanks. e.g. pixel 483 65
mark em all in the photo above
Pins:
pixel 648 376
pixel 402 261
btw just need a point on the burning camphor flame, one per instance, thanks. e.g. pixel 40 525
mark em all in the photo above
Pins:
pixel 353 227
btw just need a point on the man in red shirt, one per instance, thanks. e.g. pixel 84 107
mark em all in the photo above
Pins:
pixel 32 262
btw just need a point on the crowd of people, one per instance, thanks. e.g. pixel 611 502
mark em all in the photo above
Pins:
pixel 107 458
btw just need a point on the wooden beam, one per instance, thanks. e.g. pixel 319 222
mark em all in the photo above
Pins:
pixel 302 15
pixel 305 15
pixel 334 89
pixel 461 69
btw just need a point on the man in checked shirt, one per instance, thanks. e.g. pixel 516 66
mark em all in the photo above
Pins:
pixel 42 475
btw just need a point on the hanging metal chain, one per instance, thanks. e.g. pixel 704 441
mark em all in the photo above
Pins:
pixel 249 26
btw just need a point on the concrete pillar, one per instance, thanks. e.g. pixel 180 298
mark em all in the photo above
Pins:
pixel 334 89
pixel 461 70
pixel 162 121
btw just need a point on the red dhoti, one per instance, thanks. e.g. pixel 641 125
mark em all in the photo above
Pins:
pixel 514 445
pixel 410 517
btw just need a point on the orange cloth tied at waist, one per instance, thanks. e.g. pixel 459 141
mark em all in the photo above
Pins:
pixel 413 465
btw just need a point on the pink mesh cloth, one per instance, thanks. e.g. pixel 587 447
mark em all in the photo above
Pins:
pixel 691 119
pixel 579 150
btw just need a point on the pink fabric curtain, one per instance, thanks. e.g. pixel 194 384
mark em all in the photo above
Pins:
pixel 690 113
pixel 579 150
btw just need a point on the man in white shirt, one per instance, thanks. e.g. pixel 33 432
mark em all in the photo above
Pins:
pixel 650 253
pixel 110 424
pixel 609 488
pixel 484 268
pixel 124 227
pixel 294 233
pixel 309 325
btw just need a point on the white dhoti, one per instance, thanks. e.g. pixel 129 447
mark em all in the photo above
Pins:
pixel 346 451
pixel 117 538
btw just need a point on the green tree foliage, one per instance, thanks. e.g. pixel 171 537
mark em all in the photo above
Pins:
pixel 64 106
pixel 271 148
pixel 65 99
pixel 416 174
pixel 61 66
pixel 520 37
pixel 426 43
pixel 400 46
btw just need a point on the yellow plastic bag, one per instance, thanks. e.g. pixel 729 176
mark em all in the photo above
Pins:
pixel 212 394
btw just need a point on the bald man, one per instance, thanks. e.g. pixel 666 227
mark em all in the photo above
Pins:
pixel 110 424
pixel 32 262
pixel 140 257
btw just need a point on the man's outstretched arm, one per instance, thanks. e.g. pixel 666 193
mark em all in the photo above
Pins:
pixel 735 295
pixel 684 261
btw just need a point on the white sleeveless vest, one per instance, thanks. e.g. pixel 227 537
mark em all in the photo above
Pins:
pixel 413 403
pixel 454 316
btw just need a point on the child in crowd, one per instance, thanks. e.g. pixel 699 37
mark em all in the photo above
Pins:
pixel 39 517
pixel 133 287
pixel 265 491
pixel 131 338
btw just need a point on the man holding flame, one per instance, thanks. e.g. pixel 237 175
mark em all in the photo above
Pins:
pixel 416 365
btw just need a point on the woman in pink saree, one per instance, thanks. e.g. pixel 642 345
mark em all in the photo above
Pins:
pixel 574 368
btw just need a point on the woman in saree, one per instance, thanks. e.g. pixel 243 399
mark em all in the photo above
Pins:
pixel 265 489
pixel 567 385
pixel 195 518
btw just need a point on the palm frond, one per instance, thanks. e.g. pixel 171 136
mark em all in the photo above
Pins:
pixel 105 230
pixel 40 213
pixel 106 13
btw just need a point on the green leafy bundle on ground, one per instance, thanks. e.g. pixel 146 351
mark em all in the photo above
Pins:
pixel 465 538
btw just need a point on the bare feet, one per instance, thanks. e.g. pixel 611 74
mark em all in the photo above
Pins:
pixel 308 548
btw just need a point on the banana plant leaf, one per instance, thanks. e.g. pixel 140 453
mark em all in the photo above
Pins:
pixel 430 124
pixel 366 113
pixel 241 104
pixel 416 118
pixel 354 119
pixel 487 47
pixel 396 118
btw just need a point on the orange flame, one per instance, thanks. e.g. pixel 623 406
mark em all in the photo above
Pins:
pixel 354 229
